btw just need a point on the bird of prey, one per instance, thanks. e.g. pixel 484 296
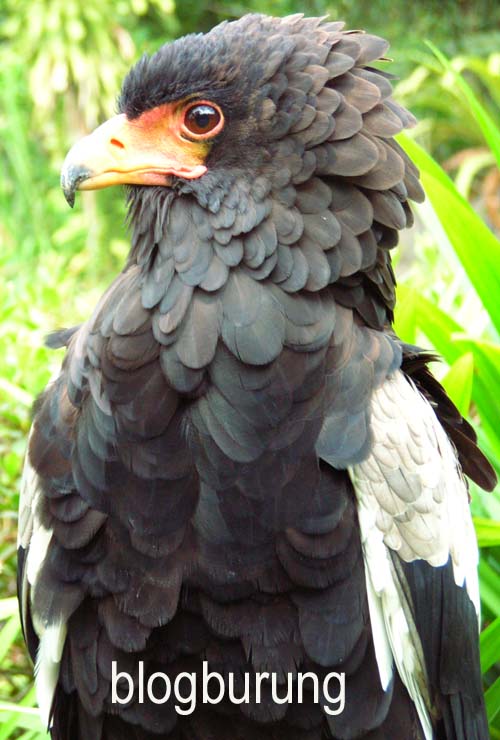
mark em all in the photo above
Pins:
pixel 240 465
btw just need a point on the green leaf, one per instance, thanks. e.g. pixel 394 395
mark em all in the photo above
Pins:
pixel 488 533
pixel 490 645
pixel 486 389
pixel 490 587
pixel 405 318
pixel 458 382
pixel 23 715
pixel 492 699
pixel 8 634
pixel 13 717
pixel 16 393
pixel 487 358
pixel 477 248
pixel 487 125
pixel 437 325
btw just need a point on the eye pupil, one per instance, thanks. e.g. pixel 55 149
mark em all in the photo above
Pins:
pixel 201 119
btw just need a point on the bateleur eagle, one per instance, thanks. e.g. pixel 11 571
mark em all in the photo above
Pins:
pixel 240 463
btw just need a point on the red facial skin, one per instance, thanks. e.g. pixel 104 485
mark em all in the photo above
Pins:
pixel 146 150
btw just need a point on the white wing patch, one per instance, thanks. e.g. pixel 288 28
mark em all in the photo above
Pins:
pixel 48 660
pixel 412 498
pixel 35 538
pixel 28 497
pixel 395 636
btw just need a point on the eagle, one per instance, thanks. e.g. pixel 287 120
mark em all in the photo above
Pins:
pixel 240 467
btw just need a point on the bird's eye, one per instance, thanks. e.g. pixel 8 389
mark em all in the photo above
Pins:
pixel 203 120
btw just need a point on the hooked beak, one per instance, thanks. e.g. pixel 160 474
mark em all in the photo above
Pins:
pixel 142 151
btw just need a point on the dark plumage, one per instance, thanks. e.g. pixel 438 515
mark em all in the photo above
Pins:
pixel 202 473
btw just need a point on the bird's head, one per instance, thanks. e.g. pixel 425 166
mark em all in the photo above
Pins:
pixel 279 126
pixel 191 117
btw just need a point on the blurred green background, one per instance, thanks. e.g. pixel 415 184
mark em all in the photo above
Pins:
pixel 61 65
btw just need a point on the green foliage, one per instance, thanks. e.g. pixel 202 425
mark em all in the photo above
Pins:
pixel 20 713
pixel 473 379
pixel 458 102
pixel 64 45
pixel 60 67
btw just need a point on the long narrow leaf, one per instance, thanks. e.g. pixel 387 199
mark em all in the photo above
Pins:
pixel 8 634
pixel 488 534
pixel 458 382
pixel 485 122
pixel 490 645
pixel 23 715
pixel 438 326
pixel 490 587
pixel 477 248
pixel 492 699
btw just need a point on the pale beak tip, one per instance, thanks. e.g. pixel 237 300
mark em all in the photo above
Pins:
pixel 71 177
pixel 70 197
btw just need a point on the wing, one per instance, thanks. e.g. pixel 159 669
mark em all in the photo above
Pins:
pixel 45 642
pixel 85 461
pixel 33 536
pixel 420 549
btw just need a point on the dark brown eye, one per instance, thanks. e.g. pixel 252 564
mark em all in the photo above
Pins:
pixel 203 120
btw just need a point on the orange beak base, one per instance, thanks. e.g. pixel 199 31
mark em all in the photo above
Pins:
pixel 148 150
